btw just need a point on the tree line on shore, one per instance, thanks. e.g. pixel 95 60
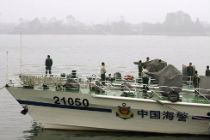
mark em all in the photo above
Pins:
pixel 177 23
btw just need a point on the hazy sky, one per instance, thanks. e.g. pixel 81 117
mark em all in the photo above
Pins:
pixel 98 11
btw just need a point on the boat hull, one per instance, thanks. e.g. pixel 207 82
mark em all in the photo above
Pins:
pixel 75 111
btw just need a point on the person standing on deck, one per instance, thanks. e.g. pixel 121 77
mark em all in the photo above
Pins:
pixel 190 71
pixel 103 73
pixel 159 66
pixel 145 77
pixel 196 79
pixel 146 62
pixel 207 71
pixel 48 64
pixel 140 68
pixel 147 59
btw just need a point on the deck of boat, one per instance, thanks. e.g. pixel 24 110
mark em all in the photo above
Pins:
pixel 187 94
pixel 113 88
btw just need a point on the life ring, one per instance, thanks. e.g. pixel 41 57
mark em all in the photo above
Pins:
pixel 128 77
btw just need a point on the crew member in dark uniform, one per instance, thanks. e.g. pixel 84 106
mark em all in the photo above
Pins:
pixel 147 59
pixel 103 73
pixel 48 64
pixel 207 71
pixel 190 71
pixel 196 79
pixel 140 68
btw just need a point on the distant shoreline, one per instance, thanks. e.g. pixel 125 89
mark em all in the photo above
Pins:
pixel 178 34
pixel 175 24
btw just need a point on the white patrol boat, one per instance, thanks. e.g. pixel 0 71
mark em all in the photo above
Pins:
pixel 69 102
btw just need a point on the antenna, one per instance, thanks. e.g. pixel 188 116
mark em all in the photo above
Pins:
pixel 7 67
pixel 20 52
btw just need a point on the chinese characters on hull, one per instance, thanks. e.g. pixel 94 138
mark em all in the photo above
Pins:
pixel 125 112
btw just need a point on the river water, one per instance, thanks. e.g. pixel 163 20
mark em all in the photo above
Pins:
pixel 27 53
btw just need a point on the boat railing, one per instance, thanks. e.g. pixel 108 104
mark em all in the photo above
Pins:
pixel 53 79
pixel 37 78
pixel 57 70
pixel 188 80
pixel 132 90
pixel 41 79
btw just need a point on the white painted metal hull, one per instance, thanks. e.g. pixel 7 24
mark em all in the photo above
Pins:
pixel 102 113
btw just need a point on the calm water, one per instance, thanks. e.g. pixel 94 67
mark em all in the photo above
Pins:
pixel 85 53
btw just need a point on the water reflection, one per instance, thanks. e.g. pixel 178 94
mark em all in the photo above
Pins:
pixel 38 133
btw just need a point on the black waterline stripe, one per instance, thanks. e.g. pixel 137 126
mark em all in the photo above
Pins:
pixel 64 106
pixel 200 118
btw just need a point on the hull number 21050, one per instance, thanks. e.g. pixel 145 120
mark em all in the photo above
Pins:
pixel 71 101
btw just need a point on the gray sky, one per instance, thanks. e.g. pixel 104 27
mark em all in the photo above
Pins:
pixel 99 11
